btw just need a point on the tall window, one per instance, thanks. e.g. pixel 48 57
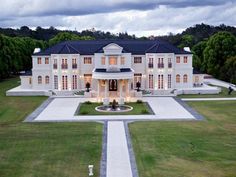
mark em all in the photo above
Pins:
pixel 64 64
pixel 169 80
pixel 112 60
pixel 74 82
pixel 160 81
pixel 122 60
pixel 160 63
pixel 185 59
pixel 169 63
pixel 46 60
pixel 137 78
pixel 103 60
pixel 185 78
pixel 64 83
pixel 39 60
pixel 39 79
pixel 74 64
pixel 46 79
pixel 177 59
pixel 55 82
pixel 137 59
pixel 151 81
pixel 55 64
pixel 87 60
pixel 30 80
pixel 177 78
pixel 150 63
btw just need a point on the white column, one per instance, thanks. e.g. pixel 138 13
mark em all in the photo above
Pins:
pixel 127 87
pixel 106 88
pixel 121 84
pixel 98 90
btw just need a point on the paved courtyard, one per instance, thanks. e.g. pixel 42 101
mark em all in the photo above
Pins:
pixel 63 109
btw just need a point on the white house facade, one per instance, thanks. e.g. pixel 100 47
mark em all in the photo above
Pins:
pixel 112 68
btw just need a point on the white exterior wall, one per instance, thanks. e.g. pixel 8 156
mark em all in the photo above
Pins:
pixel 184 68
pixel 25 82
pixel 111 50
pixel 41 70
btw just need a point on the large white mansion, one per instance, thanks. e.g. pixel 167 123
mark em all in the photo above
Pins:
pixel 112 67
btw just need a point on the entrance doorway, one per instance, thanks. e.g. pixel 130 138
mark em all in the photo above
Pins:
pixel 113 85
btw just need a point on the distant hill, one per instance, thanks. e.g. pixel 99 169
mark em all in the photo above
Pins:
pixel 196 33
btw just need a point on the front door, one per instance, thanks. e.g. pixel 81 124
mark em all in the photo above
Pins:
pixel 113 85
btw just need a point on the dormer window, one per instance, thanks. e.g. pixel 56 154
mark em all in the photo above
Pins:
pixel 112 60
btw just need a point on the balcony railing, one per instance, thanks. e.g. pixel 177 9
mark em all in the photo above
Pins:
pixel 74 66
pixel 54 66
pixel 150 65
pixel 160 65
pixel 169 65
pixel 64 66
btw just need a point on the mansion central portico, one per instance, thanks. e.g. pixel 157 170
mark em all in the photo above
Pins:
pixel 113 83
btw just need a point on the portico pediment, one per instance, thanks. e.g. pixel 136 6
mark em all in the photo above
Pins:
pixel 112 49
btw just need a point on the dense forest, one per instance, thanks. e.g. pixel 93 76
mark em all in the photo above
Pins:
pixel 214 47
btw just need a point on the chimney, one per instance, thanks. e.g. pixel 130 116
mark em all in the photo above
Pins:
pixel 37 50
pixel 187 49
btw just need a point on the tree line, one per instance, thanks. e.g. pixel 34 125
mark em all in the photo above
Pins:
pixel 214 47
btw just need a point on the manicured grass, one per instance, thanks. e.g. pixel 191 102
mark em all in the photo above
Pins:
pixel 44 149
pixel 223 93
pixel 188 148
pixel 138 108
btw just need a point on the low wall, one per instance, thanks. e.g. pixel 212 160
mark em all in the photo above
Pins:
pixel 216 90
pixel 28 93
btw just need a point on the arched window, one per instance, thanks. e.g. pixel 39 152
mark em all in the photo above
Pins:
pixel 185 78
pixel 177 78
pixel 39 79
pixel 46 79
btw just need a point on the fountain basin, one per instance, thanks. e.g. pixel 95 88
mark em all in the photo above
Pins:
pixel 118 108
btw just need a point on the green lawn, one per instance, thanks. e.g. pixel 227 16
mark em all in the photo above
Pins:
pixel 223 93
pixel 44 149
pixel 191 148
pixel 89 109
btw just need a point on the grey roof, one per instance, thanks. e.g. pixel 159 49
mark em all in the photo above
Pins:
pixel 104 70
pixel 89 47
pixel 26 73
pixel 195 71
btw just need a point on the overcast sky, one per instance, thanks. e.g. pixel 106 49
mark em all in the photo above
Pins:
pixel 139 17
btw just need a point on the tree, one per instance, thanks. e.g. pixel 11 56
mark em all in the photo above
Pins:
pixel 138 85
pixel 198 57
pixel 187 41
pixel 87 86
pixel 230 69
pixel 219 47
pixel 66 36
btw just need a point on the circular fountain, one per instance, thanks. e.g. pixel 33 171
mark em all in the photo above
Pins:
pixel 113 108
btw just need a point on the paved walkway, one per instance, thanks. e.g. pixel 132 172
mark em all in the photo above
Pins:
pixel 208 99
pixel 118 159
pixel 63 109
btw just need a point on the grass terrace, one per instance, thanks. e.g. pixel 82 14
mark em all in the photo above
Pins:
pixel 44 149
pixel 139 108
pixel 188 148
